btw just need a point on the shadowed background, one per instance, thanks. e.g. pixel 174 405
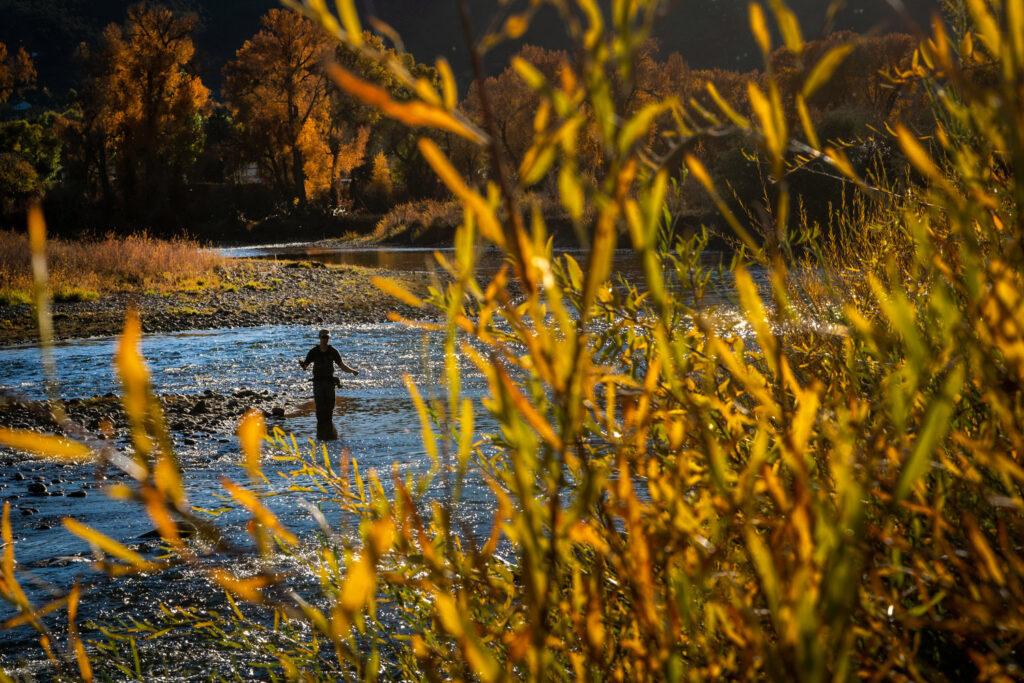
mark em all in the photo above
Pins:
pixel 708 33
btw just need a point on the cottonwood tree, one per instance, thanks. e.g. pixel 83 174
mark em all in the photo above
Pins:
pixel 277 90
pixel 17 72
pixel 142 107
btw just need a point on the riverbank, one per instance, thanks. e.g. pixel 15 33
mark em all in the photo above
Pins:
pixel 243 293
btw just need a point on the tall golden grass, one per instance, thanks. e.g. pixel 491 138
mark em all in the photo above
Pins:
pixel 676 496
pixel 111 263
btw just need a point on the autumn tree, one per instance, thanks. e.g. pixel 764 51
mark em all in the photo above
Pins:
pixel 277 90
pixel 28 160
pixel 17 72
pixel 860 82
pixel 142 104
pixel 411 176
pixel 513 102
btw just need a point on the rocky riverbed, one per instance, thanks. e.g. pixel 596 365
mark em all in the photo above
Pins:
pixel 104 417
pixel 244 293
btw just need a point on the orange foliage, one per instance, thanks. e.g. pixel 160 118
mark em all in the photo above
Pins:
pixel 277 91
pixel 143 106
pixel 16 72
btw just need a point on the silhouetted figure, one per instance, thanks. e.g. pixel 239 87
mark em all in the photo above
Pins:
pixel 322 357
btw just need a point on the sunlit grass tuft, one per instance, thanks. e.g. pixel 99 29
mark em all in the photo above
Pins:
pixel 110 264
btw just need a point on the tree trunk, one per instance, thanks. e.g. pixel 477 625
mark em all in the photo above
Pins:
pixel 298 172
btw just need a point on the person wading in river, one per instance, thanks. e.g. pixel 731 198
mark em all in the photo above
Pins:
pixel 322 357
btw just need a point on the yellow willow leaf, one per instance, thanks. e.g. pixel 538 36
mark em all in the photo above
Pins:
pixel 766 117
pixel 789 25
pixel 250 589
pixel 449 88
pixel 727 109
pixel 1015 22
pixel 11 588
pixel 426 431
pixel 654 205
pixel 516 25
pixel 920 159
pixel 36 230
pixel 542 117
pixel 448 614
pixel 412 113
pixel 134 376
pixel 526 409
pixel 263 516
pixel 44 445
pixel 473 201
pixel 84 666
pixel 638 126
pixel 823 70
pixel 350 20
pixel 360 583
pixel 803 421
pixel 987 26
pixel 536 163
pixel 530 74
pixel 756 315
pixel 481 661
pixel 34 616
pixel 571 192
pixel 759 27
pixel 936 426
pixel 251 432
pixel 162 520
pixel 426 92
pixel 585 534
pixel 765 567
pixel 465 432
pixel 600 256
pixel 323 15
pixel 595 19
pixel 167 479
pixel 807 123
pixel 700 173
pixel 381 536
pixel 108 545
pixel 392 288
pixel 981 545
pixel 838 158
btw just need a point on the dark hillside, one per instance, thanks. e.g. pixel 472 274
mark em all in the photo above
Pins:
pixel 708 33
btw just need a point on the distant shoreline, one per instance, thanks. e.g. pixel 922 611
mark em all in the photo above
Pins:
pixel 252 292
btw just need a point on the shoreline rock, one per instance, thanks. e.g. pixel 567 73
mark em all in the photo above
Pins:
pixel 104 417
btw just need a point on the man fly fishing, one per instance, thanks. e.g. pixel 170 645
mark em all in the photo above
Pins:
pixel 323 357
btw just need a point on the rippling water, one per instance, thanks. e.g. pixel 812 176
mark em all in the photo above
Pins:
pixel 374 416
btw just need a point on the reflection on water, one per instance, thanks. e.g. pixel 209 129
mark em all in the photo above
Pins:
pixel 625 262
pixel 404 259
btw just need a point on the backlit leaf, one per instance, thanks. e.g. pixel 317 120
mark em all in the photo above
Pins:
pixel 44 445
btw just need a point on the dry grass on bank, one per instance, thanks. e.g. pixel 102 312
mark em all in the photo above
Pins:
pixel 83 270
pixel 416 218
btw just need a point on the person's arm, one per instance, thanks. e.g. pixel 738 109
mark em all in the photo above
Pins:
pixel 309 359
pixel 342 365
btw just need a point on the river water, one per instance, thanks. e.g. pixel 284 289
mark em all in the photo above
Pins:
pixel 375 420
